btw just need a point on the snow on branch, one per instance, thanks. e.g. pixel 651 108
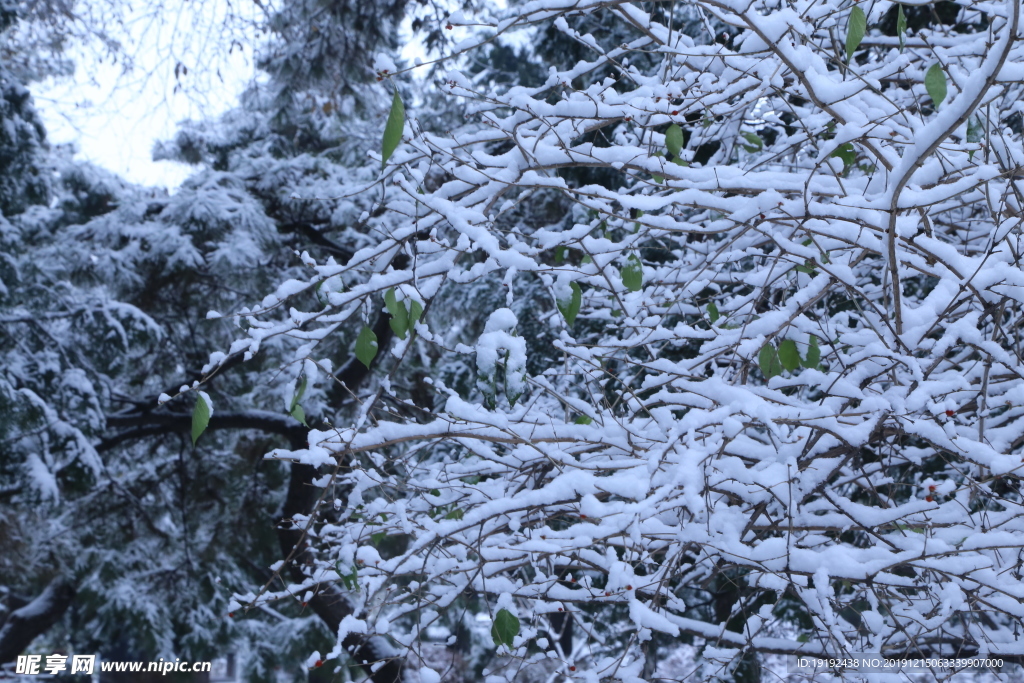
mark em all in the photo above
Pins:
pixel 760 382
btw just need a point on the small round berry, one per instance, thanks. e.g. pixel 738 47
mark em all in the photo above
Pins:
pixel 950 413
pixel 318 664
pixel 572 668
pixel 929 499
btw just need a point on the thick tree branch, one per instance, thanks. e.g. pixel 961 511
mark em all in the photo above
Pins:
pixel 35 618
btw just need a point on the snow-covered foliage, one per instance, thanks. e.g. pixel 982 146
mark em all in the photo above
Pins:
pixel 710 334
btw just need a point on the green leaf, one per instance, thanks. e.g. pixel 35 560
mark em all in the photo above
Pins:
pixel 788 354
pixel 510 379
pixel 415 311
pixel 975 133
pixel 435 492
pixel 378 538
pixel 298 394
pixel 366 346
pixel 901 27
pixel 200 417
pixel 392 130
pixel 560 251
pixel 935 83
pixel 855 31
pixel 813 354
pixel 582 420
pixel 768 361
pixel 713 312
pixel 350 580
pixel 658 179
pixel 505 628
pixel 399 316
pixel 756 143
pixel 299 414
pixel 846 153
pixel 674 139
pixel 455 514
pixel 570 308
pixel 633 274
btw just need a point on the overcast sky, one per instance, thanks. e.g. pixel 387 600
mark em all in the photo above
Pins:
pixel 114 117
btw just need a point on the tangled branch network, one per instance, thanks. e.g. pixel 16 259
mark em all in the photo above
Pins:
pixel 737 288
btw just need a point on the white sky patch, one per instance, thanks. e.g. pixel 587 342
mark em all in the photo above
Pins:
pixel 114 115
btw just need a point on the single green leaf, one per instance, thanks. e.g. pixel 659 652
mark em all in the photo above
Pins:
pixel 512 379
pixel 200 417
pixel 350 580
pixel 392 130
pixel 935 83
pixel 768 361
pixel 505 628
pixel 378 538
pixel 674 139
pixel 788 354
pixel 435 492
pixel 298 394
pixel 455 514
pixel 587 259
pixel 299 414
pixel 847 154
pixel 975 133
pixel 399 315
pixel 570 308
pixel 901 27
pixel 366 346
pixel 415 311
pixel 756 143
pixel 813 354
pixel 807 269
pixel 560 251
pixel 713 312
pixel 855 31
pixel 582 420
pixel 658 179
pixel 633 274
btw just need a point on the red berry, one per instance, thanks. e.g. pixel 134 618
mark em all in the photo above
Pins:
pixel 560 609
pixel 574 580
pixel 318 664
pixel 674 112
pixel 449 27
pixel 607 594
pixel 231 615
pixel 932 488
pixel 950 413
pixel 629 588
pixel 582 516
pixel 572 668
pixel 929 498
pixel 304 603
